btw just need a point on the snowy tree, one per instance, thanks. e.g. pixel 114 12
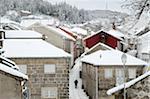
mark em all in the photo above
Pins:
pixel 62 11
pixel 138 6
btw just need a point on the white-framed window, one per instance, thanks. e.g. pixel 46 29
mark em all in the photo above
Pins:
pixel 108 73
pixel 23 68
pixel 49 92
pixel 119 76
pixel 49 68
pixel 132 73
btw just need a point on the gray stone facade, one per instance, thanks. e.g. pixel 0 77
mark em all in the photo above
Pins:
pixel 38 79
pixel 89 80
pixel 10 86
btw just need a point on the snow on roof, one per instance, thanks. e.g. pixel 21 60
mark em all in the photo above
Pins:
pixel 5 20
pixel 31 48
pixel 69 30
pixel 25 11
pixel 22 34
pixel 106 47
pixel 60 32
pixel 128 84
pixel 12 71
pixel 9 62
pixel 110 57
pixel 79 30
pixel 115 33
pixel 30 20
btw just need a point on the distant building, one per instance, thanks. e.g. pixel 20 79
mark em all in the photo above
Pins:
pixel 104 70
pixel 78 48
pixel 56 37
pixel 111 38
pixel 46 65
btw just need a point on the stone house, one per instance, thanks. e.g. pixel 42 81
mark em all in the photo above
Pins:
pixel 56 37
pixel 104 70
pixel 11 80
pixel 78 48
pixel 46 65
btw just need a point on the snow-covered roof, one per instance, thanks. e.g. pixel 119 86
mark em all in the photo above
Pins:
pixel 128 84
pixel 79 31
pixel 98 46
pixel 31 48
pixel 5 20
pixel 69 30
pixel 12 71
pixel 115 33
pixel 25 11
pixel 22 34
pixel 60 32
pixel 9 62
pixel 111 57
pixel 10 67
pixel 30 20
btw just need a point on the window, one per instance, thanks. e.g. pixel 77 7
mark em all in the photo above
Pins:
pixel 108 73
pixel 132 73
pixel 49 92
pixel 23 68
pixel 49 68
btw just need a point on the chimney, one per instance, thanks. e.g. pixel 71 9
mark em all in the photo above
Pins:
pixel 44 37
pixel 114 26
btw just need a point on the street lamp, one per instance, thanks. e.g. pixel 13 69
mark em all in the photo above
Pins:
pixel 124 60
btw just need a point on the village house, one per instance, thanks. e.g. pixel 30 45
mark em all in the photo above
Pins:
pixel 12 81
pixel 46 65
pixel 111 38
pixel 78 48
pixel 7 24
pixel 56 37
pixel 104 70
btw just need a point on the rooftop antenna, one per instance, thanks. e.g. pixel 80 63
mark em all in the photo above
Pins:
pixel 106 4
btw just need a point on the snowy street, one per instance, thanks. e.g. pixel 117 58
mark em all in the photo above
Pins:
pixel 74 74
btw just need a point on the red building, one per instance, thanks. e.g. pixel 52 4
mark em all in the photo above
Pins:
pixel 109 38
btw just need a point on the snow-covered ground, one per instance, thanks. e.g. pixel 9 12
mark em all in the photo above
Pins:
pixel 76 93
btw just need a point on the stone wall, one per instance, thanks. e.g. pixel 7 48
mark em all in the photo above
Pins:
pixel 89 75
pixel 38 79
pixel 10 88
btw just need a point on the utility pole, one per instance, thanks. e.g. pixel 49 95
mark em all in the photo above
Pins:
pixel 96 82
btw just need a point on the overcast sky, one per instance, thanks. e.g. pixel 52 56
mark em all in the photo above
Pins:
pixel 114 5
